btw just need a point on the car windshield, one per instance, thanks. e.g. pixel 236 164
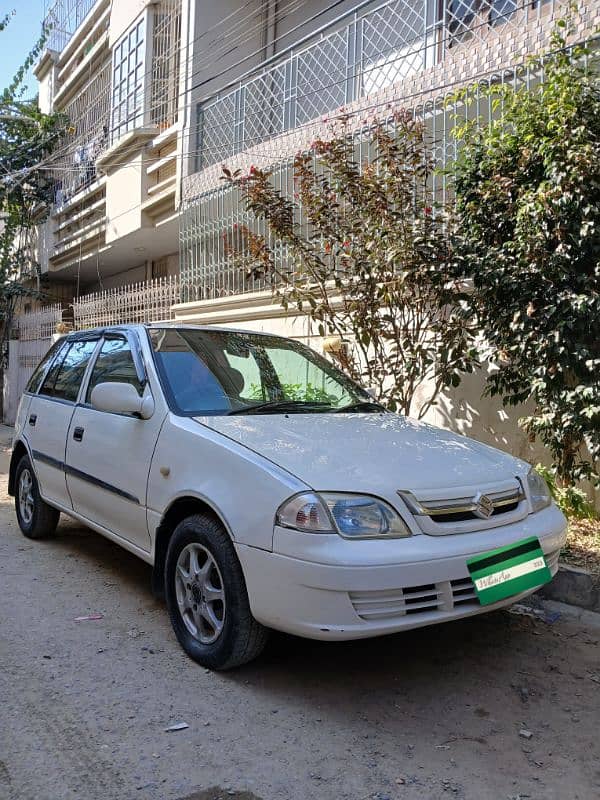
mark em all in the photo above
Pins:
pixel 224 372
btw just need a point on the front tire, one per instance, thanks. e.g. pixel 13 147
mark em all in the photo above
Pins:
pixel 37 520
pixel 207 598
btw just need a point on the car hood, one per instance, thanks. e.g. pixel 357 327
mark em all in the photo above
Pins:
pixel 371 453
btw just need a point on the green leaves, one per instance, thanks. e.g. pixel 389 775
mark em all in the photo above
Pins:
pixel 372 260
pixel 27 137
pixel 528 232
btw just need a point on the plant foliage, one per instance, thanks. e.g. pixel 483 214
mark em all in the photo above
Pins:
pixel 27 137
pixel 528 233
pixel 362 249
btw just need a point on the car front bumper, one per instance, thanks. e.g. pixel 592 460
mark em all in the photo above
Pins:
pixel 324 587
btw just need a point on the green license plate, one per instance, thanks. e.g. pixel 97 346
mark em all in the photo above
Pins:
pixel 509 570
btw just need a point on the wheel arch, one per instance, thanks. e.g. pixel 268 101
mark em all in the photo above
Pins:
pixel 182 507
pixel 19 450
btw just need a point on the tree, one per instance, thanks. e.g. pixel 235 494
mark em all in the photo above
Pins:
pixel 528 231
pixel 27 137
pixel 361 248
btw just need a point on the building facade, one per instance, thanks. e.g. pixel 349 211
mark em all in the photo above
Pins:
pixel 112 67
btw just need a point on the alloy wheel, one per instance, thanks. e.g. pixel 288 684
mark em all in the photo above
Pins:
pixel 200 593
pixel 26 501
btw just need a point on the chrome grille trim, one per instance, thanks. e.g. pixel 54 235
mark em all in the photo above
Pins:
pixel 460 505
pixel 438 513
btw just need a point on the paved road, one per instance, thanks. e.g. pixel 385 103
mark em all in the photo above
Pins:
pixel 429 714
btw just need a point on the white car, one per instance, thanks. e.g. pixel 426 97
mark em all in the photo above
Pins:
pixel 270 491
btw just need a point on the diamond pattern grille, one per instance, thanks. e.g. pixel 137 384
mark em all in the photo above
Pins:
pixel 363 54
pixel 263 108
pixel 321 78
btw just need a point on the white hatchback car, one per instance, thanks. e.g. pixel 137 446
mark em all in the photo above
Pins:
pixel 270 491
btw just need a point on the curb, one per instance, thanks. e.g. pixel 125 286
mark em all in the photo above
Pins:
pixel 590 619
pixel 573 586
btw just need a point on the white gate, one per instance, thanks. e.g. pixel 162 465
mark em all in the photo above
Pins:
pixel 34 331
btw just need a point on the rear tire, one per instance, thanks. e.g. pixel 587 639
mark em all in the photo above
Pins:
pixel 207 598
pixel 37 520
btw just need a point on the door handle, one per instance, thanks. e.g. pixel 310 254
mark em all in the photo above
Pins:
pixel 32 420
pixel 78 434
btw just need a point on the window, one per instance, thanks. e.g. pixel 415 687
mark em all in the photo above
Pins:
pixel 114 365
pixel 213 373
pixel 461 14
pixel 65 376
pixel 128 81
pixel 34 382
pixel 500 10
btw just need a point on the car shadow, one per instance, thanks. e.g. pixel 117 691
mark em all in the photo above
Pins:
pixel 443 655
pixel 76 540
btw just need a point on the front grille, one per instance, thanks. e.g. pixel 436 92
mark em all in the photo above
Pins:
pixel 481 508
pixel 461 516
pixel 424 599
pixel 417 600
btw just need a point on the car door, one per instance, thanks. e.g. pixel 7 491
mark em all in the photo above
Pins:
pixel 49 415
pixel 108 454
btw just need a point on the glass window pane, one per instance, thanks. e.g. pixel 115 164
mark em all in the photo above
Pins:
pixel 219 372
pixel 114 365
pixel 34 382
pixel 68 376
pixel 128 70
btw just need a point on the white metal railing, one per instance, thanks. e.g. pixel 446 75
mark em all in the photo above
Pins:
pixel 211 224
pixel 40 324
pixel 62 18
pixel 150 301
pixel 357 55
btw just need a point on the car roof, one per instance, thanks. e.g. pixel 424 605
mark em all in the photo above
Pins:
pixel 100 331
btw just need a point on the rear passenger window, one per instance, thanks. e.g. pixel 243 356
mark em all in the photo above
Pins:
pixel 114 365
pixel 65 375
pixel 34 382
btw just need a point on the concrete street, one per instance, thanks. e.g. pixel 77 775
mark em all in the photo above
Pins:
pixel 431 714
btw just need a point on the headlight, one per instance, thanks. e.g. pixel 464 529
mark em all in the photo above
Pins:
pixel 353 516
pixel 539 494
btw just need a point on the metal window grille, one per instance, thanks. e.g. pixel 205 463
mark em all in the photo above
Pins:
pixel 73 164
pixel 361 53
pixel 166 42
pixel 62 18
pixel 210 223
pixel 128 80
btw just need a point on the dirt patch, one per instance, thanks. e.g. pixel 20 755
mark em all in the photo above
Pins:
pixel 583 546
pixel 216 793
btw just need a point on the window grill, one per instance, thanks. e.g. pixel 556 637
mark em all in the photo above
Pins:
pixel 62 18
pixel 128 80
pixel 166 41
pixel 73 165
pixel 211 221
pixel 360 54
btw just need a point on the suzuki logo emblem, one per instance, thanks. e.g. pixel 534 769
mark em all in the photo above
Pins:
pixel 484 507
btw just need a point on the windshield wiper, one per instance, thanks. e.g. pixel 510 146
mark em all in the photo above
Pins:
pixel 281 405
pixel 361 405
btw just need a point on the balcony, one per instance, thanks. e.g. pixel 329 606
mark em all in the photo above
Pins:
pixel 371 60
pixel 360 55
pixel 62 18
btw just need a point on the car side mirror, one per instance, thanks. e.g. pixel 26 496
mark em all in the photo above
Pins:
pixel 121 398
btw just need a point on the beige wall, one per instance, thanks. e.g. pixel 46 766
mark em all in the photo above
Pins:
pixel 125 189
